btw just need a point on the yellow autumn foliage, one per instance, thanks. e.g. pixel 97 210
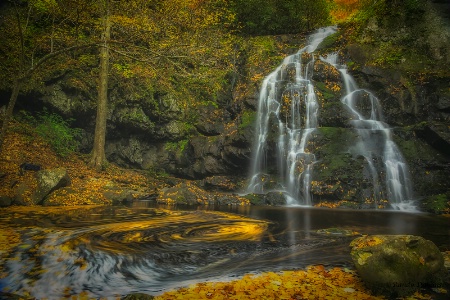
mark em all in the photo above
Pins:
pixel 366 241
pixel 315 282
pixel 22 144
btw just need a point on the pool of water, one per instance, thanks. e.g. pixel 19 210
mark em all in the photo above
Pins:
pixel 113 251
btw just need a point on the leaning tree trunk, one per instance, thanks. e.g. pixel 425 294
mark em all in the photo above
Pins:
pixel 98 158
pixel 9 112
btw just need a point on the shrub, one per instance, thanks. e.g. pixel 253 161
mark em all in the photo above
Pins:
pixel 58 133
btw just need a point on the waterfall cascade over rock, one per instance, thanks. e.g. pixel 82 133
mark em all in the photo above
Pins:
pixel 287 123
pixel 287 100
pixel 375 144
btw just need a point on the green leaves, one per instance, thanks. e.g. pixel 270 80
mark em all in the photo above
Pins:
pixel 44 5
pixel 258 17
pixel 57 132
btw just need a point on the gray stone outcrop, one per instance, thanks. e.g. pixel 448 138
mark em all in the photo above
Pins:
pixel 48 181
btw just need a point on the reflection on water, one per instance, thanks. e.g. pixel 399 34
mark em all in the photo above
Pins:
pixel 114 251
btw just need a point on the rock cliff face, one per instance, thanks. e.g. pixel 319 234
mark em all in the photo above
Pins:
pixel 159 135
pixel 419 116
pixel 411 80
pixel 215 139
pixel 417 113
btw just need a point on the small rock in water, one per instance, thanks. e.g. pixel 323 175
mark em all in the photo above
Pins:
pixel 337 231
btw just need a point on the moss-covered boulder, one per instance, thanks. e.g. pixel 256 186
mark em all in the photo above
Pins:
pixel 397 265
pixel 270 198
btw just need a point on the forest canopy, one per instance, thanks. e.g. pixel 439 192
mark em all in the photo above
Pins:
pixel 187 37
pixel 186 51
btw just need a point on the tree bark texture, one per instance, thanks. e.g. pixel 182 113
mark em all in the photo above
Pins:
pixel 98 158
pixel 9 112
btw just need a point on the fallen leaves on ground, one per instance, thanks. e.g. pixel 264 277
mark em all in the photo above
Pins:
pixel 313 283
pixel 22 144
pixel 316 282
pixel 366 241
pixel 446 255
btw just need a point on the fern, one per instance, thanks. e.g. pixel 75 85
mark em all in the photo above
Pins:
pixel 58 133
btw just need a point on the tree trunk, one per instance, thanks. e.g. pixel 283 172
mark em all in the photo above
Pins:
pixel 98 158
pixel 9 112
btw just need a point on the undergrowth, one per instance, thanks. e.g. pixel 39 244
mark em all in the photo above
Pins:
pixel 56 131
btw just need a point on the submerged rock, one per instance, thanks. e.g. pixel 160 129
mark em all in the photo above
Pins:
pixel 337 231
pixel 397 265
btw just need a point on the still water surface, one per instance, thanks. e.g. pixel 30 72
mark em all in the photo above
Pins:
pixel 113 251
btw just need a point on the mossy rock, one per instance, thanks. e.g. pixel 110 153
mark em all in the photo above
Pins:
pixel 255 199
pixel 338 175
pixel 329 43
pixel 397 265
pixel 270 198
pixel 437 204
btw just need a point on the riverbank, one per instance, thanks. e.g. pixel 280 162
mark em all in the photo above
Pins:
pixel 115 185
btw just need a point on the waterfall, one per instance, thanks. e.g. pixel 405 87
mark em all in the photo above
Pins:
pixel 376 145
pixel 287 119
pixel 288 105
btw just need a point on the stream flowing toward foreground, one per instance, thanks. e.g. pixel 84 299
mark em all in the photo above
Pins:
pixel 110 252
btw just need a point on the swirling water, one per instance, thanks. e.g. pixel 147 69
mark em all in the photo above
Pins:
pixel 109 252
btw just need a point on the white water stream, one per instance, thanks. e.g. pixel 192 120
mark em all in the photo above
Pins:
pixel 375 144
pixel 288 112
pixel 287 102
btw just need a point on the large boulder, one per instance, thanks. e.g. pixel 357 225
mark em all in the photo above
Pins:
pixel 189 193
pixel 133 119
pixel 184 193
pixel 270 198
pixel 22 193
pixel 48 181
pixel 397 265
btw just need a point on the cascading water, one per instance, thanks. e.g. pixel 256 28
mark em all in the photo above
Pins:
pixel 288 103
pixel 376 145
pixel 288 117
